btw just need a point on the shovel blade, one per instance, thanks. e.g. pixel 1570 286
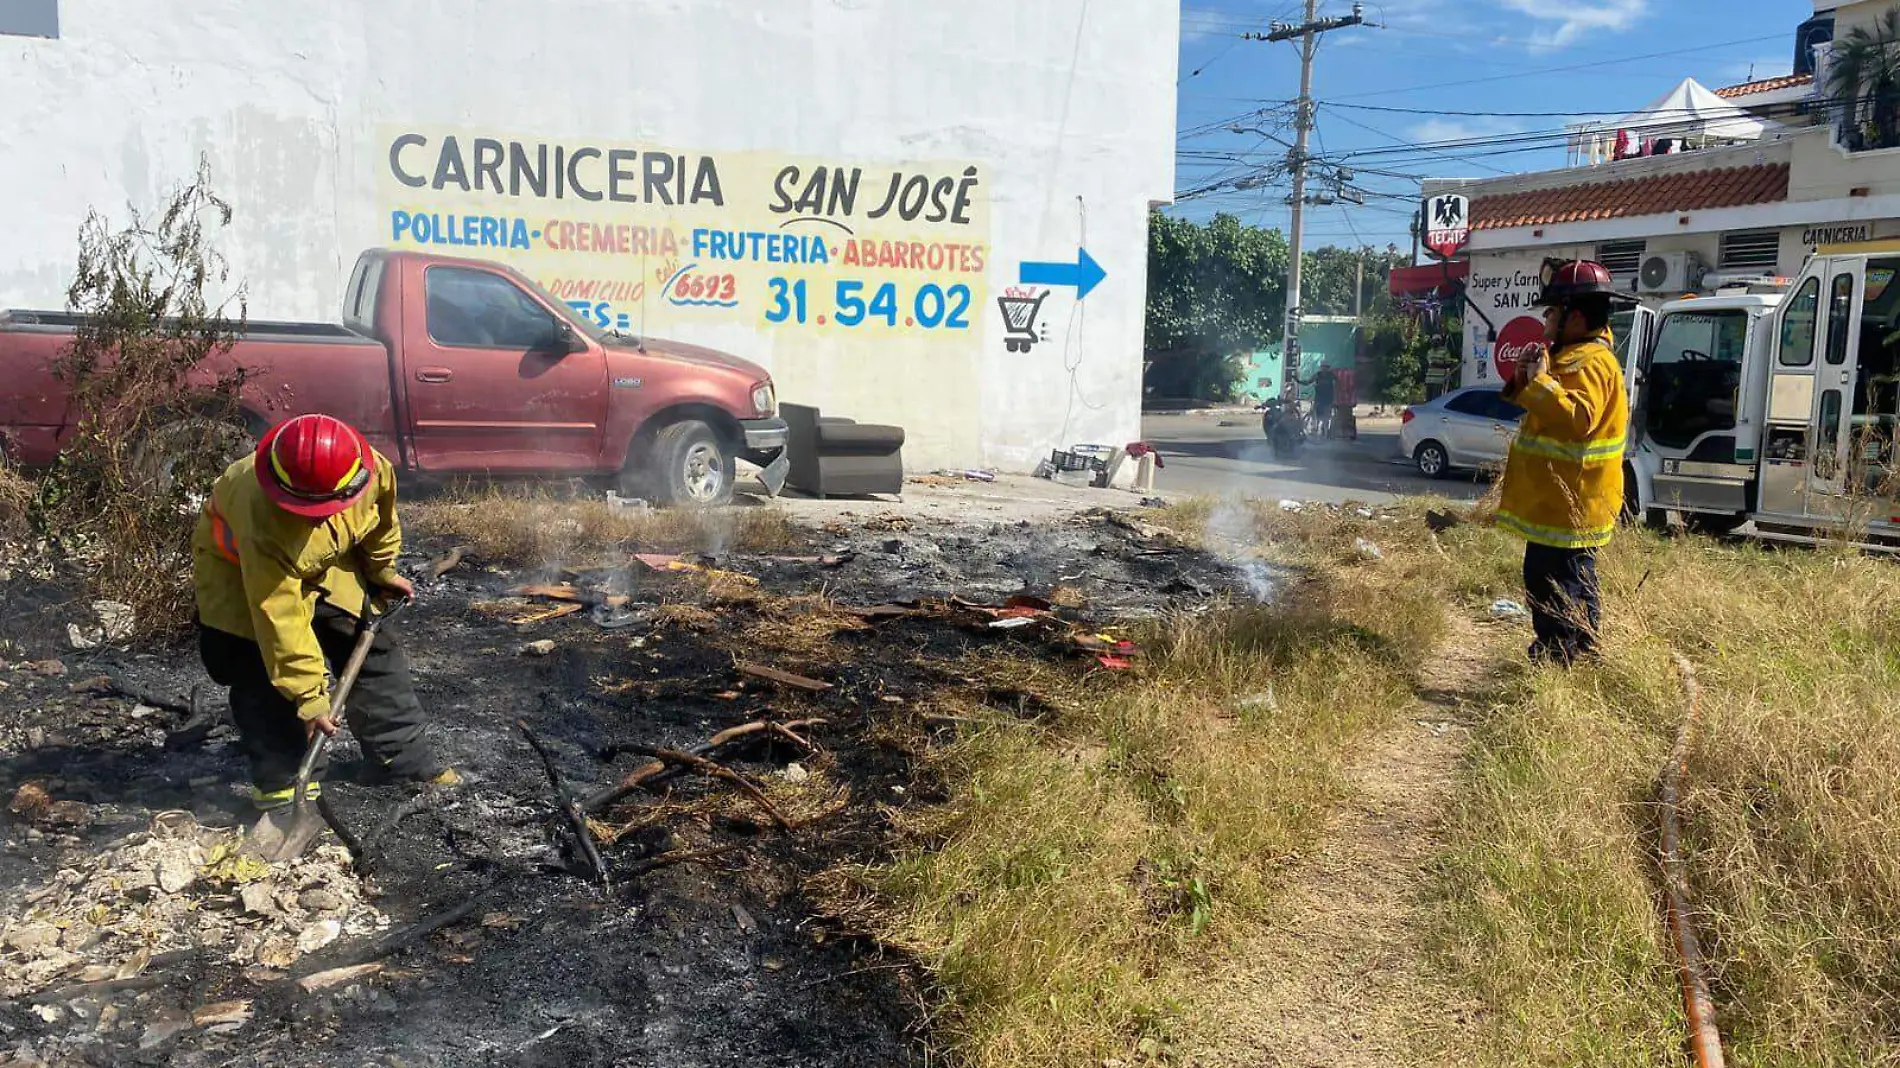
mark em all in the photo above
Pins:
pixel 282 834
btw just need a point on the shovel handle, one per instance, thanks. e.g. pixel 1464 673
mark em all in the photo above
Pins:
pixel 366 629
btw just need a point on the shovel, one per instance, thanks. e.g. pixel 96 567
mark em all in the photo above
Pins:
pixel 284 833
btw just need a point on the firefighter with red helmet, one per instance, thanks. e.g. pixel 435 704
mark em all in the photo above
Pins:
pixel 1563 480
pixel 293 542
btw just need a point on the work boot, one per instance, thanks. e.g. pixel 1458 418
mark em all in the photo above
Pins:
pixel 266 800
pixel 375 775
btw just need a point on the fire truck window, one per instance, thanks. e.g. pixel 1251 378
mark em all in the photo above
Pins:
pixel 1840 316
pixel 1877 399
pixel 1622 328
pixel 1797 325
pixel 1827 441
pixel 1695 370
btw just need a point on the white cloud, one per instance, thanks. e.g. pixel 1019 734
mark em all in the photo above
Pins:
pixel 1434 130
pixel 1575 20
pixel 1410 14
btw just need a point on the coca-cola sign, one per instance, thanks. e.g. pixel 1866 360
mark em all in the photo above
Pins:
pixel 1519 338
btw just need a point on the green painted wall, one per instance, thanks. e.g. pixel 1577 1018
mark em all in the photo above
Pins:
pixel 1331 340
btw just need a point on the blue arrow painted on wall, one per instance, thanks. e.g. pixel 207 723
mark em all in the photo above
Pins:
pixel 1084 274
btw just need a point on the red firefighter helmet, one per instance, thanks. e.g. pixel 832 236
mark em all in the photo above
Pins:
pixel 314 465
pixel 1564 281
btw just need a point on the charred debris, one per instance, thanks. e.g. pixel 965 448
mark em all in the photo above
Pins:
pixel 661 752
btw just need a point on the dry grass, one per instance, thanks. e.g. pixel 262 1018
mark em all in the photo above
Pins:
pixel 1550 888
pixel 526 527
pixel 1092 862
pixel 16 497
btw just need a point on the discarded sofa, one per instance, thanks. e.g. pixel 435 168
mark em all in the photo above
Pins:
pixel 832 457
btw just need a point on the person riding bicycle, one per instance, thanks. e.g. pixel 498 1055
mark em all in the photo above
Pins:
pixel 1323 382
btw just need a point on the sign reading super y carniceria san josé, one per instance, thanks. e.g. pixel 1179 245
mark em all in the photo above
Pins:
pixel 643 239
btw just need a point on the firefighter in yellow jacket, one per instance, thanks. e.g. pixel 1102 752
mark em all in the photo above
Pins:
pixel 1563 481
pixel 291 545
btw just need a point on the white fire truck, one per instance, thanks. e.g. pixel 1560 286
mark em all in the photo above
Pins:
pixel 1777 409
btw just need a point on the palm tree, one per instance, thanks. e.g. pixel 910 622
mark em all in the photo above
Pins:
pixel 1864 68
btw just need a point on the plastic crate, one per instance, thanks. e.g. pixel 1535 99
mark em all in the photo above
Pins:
pixel 1063 460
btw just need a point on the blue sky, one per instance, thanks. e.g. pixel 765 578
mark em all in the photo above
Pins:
pixel 1453 60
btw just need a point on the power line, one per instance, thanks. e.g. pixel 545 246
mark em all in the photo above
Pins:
pixel 1560 70
pixel 1398 141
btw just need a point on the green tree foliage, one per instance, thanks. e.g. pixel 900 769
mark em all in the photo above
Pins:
pixel 156 403
pixel 1864 80
pixel 1327 277
pixel 1215 290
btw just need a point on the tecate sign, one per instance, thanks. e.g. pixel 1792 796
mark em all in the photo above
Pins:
pixel 1447 224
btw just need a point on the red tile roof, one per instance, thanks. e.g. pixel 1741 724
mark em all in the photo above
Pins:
pixel 1767 85
pixel 1653 195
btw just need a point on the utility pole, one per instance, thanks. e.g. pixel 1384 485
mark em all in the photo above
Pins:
pixel 1308 32
pixel 1359 286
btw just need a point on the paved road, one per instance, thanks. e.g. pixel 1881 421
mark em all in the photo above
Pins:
pixel 1206 458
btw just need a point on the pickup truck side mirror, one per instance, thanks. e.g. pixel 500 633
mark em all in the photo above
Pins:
pixel 565 342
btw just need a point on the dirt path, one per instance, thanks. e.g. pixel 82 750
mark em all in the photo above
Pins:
pixel 1344 979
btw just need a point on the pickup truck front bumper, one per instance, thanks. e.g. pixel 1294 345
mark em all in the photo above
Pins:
pixel 764 435
pixel 765 446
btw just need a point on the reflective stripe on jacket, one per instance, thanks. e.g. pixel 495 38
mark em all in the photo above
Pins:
pixel 1563 481
pixel 258 572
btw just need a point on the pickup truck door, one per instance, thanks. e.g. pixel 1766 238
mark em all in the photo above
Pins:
pixel 492 382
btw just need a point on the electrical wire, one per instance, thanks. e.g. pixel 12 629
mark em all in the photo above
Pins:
pixel 1560 69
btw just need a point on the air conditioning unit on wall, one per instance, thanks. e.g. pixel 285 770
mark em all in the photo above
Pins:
pixel 1670 272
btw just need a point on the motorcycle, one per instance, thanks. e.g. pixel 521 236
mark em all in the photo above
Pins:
pixel 1284 426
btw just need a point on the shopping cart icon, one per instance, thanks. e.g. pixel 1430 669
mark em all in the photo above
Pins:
pixel 1019 320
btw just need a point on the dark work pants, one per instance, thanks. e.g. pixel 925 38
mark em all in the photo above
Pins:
pixel 1561 585
pixel 382 712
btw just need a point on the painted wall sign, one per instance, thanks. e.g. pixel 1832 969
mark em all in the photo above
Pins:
pixel 1837 235
pixel 648 239
pixel 1505 289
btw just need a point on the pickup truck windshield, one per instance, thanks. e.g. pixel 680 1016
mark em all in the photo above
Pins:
pixel 1695 375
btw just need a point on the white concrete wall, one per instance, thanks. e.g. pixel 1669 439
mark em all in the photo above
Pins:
pixel 1065 107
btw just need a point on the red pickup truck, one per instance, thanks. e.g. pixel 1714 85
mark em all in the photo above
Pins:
pixel 456 366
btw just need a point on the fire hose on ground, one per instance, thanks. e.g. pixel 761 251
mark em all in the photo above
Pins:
pixel 1705 1044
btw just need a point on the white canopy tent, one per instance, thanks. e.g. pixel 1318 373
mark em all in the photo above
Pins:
pixel 1688 113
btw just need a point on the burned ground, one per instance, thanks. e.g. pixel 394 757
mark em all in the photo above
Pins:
pixel 722 960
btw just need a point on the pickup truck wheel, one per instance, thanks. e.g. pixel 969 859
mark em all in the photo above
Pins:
pixel 194 448
pixel 689 466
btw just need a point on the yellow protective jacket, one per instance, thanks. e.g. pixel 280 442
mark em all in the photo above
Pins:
pixel 285 564
pixel 1563 481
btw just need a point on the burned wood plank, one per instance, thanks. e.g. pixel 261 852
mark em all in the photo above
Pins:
pixel 876 612
pixel 783 678
pixel 569 592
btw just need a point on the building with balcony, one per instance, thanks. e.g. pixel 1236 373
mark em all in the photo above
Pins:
pixel 1752 179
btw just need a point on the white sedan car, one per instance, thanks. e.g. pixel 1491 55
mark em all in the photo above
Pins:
pixel 1466 428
